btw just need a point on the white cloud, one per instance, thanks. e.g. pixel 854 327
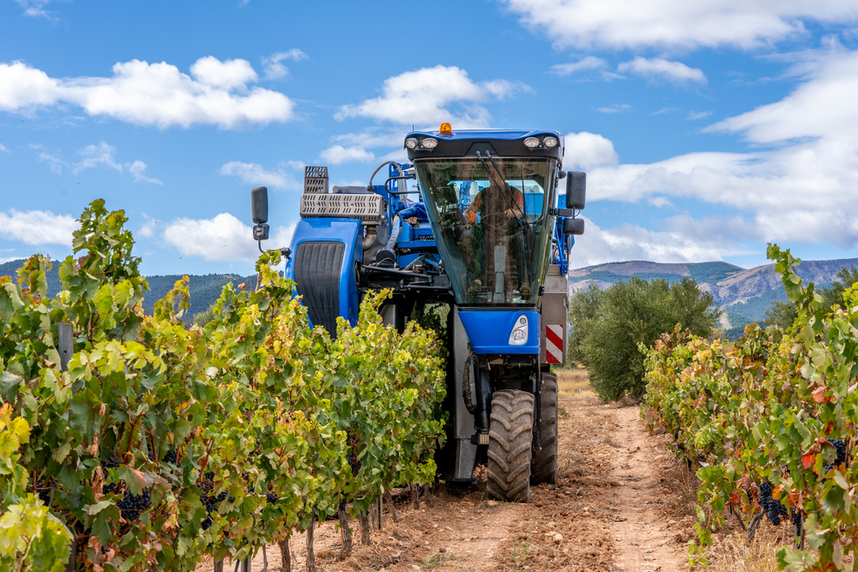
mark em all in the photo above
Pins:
pixel 588 150
pixel 676 24
pixel 3 148
pixel 823 106
pixel 695 115
pixel 55 163
pixel 658 68
pixel 585 63
pixel 338 154
pixel 138 169
pixel 149 226
pixel 35 8
pixel 274 69
pixel 255 175
pixel 223 238
pixel 632 242
pixel 802 193
pixel 153 94
pixel 229 74
pixel 423 97
pixel 22 87
pixel 37 227
pixel 94 155
pixel 615 108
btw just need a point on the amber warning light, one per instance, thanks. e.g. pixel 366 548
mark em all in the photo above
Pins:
pixel 446 129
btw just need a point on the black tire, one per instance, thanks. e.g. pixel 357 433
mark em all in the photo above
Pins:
pixel 510 442
pixel 543 467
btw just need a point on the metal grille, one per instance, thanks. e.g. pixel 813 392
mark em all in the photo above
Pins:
pixel 315 179
pixel 367 208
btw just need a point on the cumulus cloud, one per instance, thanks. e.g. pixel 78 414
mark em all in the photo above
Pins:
pixel 3 148
pixel 806 192
pixel 661 69
pixel 37 227
pixel 338 154
pixel 632 242
pixel 676 24
pixel 585 151
pixel 822 106
pixel 216 93
pixel 222 238
pixel 274 69
pixel 55 163
pixel 424 97
pixel 256 175
pixel 138 170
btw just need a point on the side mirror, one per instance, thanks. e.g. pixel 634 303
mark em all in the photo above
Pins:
pixel 576 190
pixel 259 211
pixel 573 226
pixel 259 205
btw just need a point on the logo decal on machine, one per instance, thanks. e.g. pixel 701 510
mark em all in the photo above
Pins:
pixel 553 344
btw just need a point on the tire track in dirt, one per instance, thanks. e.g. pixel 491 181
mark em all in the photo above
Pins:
pixel 643 540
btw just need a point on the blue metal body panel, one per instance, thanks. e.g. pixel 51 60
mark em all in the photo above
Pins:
pixel 489 134
pixel 489 329
pixel 349 231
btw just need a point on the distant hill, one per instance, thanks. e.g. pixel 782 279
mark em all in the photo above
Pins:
pixel 204 290
pixel 744 294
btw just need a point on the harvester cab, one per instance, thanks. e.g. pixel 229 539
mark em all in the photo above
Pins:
pixel 482 236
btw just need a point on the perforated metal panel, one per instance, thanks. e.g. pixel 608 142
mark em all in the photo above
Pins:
pixel 367 208
pixel 315 179
pixel 317 273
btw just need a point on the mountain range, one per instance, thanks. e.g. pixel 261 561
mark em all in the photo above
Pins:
pixel 745 294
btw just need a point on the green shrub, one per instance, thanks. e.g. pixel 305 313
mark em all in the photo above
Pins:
pixel 608 326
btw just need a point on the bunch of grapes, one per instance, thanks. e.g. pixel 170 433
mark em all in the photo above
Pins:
pixel 131 505
pixel 840 446
pixel 44 490
pixel 171 457
pixel 272 498
pixel 774 509
pixel 209 501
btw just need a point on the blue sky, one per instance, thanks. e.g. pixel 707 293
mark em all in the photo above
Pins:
pixel 707 128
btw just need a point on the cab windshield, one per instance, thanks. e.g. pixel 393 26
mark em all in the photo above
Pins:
pixel 491 221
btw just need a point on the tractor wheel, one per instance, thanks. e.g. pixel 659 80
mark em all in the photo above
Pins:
pixel 543 466
pixel 510 440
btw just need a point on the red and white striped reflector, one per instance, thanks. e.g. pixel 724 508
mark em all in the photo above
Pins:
pixel 553 344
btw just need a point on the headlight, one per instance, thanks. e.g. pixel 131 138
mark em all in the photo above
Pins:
pixel 429 143
pixel 550 142
pixel 411 143
pixel 531 142
pixel 519 334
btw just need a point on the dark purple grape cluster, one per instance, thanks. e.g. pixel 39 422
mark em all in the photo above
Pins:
pixel 840 447
pixel 171 457
pixel 774 509
pixel 272 498
pixel 353 463
pixel 110 463
pixel 107 489
pixel 44 490
pixel 131 505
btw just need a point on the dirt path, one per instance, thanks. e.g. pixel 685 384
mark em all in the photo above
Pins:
pixel 643 536
pixel 606 514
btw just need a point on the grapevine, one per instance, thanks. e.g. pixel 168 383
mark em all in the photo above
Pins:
pixel 779 410
pixel 161 444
